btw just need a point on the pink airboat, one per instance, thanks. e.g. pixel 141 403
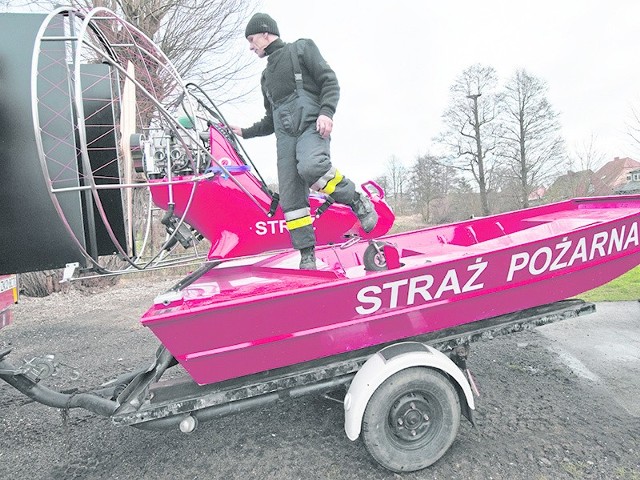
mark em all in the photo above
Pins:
pixel 386 317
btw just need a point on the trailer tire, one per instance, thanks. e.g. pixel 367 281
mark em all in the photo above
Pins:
pixel 411 420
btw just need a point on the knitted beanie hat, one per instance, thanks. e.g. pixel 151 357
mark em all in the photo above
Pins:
pixel 261 22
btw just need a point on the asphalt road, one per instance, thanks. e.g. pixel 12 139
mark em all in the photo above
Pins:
pixel 604 348
pixel 556 403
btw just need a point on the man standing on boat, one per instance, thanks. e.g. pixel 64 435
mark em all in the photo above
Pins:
pixel 301 93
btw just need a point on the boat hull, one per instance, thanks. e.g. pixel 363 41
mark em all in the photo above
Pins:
pixel 244 319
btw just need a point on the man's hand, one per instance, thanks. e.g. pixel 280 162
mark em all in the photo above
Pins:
pixel 236 130
pixel 324 125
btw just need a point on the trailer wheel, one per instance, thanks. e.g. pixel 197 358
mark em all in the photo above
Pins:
pixel 373 258
pixel 411 419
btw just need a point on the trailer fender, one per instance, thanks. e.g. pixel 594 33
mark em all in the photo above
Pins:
pixel 391 360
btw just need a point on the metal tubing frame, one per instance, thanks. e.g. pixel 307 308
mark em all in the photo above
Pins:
pixel 53 398
pixel 87 19
pixel 238 406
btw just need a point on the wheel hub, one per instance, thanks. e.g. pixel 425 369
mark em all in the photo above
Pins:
pixel 409 418
pixel 380 260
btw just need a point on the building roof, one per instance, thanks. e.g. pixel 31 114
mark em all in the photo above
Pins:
pixel 628 188
pixel 577 184
pixel 614 173
pixel 537 194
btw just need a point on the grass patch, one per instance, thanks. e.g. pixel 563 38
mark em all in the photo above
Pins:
pixel 624 288
pixel 627 473
pixel 573 469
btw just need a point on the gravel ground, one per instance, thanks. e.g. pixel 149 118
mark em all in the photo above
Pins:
pixel 535 419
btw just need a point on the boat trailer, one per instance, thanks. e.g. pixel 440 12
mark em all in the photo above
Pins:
pixel 417 418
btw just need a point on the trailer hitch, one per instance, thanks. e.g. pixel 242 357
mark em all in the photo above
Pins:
pixel 38 368
pixel 25 379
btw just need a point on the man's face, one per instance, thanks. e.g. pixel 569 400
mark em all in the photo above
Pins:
pixel 257 43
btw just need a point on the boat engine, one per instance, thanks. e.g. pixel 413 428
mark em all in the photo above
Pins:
pixel 164 154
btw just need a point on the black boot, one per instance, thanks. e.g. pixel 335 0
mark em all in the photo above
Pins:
pixel 308 258
pixel 363 208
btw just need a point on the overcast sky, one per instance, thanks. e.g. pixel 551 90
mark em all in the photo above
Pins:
pixel 395 62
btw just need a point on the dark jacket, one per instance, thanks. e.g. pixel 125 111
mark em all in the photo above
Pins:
pixel 318 79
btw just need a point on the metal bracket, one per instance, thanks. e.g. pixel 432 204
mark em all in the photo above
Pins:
pixel 69 271
pixel 352 241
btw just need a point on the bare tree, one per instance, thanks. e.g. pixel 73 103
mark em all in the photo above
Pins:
pixel 430 180
pixel 198 36
pixel 586 155
pixel 579 178
pixel 505 192
pixel 383 181
pixel 633 125
pixel 397 180
pixel 472 126
pixel 460 202
pixel 533 146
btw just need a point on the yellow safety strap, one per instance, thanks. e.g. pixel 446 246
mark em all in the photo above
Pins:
pixel 299 222
pixel 330 187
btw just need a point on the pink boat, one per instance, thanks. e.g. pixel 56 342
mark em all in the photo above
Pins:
pixel 251 315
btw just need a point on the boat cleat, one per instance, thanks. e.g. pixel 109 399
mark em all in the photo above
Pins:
pixel 168 298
